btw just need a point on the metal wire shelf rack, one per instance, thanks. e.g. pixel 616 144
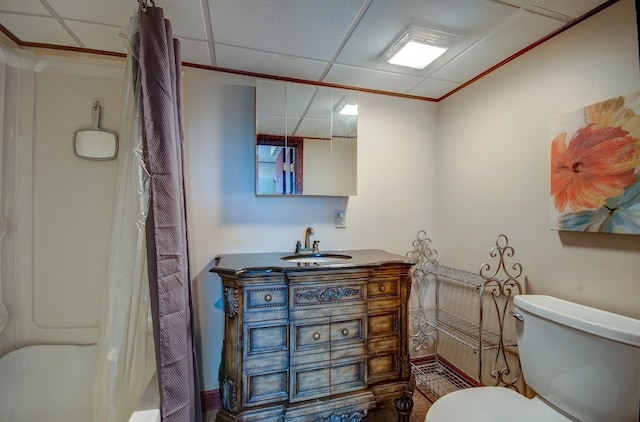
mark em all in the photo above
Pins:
pixel 461 329
pixel 439 376
pixel 500 283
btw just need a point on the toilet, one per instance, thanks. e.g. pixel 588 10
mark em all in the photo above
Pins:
pixel 583 363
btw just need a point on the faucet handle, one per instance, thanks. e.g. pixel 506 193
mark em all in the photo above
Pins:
pixel 298 247
pixel 316 246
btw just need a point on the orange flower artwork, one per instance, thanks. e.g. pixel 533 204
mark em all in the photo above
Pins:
pixel 595 164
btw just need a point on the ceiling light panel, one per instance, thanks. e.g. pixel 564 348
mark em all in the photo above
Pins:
pixel 347 106
pixel 417 47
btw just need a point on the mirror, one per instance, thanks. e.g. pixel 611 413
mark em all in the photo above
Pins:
pixel 304 145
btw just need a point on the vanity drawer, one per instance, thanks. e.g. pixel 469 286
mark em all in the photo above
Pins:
pixel 383 366
pixel 383 323
pixel 321 379
pixel 310 335
pixel 386 288
pixel 265 302
pixel 317 335
pixel 265 387
pixel 313 299
pixel 348 375
pixel 265 337
pixel 260 298
pixel 349 330
pixel 310 381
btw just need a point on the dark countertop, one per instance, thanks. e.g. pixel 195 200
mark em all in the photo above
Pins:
pixel 272 262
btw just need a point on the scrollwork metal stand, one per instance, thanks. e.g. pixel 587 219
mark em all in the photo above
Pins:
pixel 422 336
pixel 501 283
pixel 498 281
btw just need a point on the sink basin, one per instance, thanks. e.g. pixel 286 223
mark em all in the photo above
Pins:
pixel 316 258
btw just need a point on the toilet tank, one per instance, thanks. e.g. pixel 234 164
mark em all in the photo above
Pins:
pixel 582 360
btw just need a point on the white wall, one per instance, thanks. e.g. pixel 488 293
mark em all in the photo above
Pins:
pixel 494 145
pixel 396 187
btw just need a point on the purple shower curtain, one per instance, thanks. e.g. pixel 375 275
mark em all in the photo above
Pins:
pixel 167 246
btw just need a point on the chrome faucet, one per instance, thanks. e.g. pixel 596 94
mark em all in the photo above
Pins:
pixel 308 247
pixel 307 237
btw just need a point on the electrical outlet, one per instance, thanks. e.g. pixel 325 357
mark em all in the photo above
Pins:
pixel 340 219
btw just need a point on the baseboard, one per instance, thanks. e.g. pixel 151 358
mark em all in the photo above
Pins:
pixel 210 400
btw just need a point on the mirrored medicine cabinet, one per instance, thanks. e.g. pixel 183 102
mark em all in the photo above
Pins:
pixel 306 139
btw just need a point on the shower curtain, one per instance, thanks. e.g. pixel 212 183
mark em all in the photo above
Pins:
pixel 154 169
pixel 126 355
pixel 167 243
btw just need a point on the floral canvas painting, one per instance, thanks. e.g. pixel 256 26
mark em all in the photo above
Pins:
pixel 595 166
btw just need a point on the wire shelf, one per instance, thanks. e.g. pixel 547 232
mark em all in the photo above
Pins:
pixel 439 378
pixel 460 329
pixel 463 276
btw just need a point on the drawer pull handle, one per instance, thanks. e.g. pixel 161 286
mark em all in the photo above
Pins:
pixel 316 336
pixel 383 289
pixel 345 332
pixel 267 298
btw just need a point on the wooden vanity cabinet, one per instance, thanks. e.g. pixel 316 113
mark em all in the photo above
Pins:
pixel 308 345
pixel 387 318
pixel 327 322
pixel 256 345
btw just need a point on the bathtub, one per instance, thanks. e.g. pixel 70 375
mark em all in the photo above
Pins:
pixel 53 383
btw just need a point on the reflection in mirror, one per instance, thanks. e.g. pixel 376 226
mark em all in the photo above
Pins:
pixel 270 158
pixel 304 145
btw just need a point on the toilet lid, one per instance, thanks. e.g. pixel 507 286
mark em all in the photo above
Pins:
pixel 491 404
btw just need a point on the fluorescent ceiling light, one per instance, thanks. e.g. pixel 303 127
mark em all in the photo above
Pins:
pixel 416 55
pixel 350 109
pixel 417 47
pixel 347 106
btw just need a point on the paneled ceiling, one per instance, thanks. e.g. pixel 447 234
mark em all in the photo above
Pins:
pixel 337 42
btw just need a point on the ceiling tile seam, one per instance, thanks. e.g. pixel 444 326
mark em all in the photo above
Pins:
pixel 92 22
pixel 304 112
pixel 184 37
pixel 354 24
pixel 457 83
pixel 486 35
pixel 35 15
pixel 417 84
pixel 208 29
pixel 537 10
pixel 62 23
pixel 548 13
pixel 275 53
pixel 382 71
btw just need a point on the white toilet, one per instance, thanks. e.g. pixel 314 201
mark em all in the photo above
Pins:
pixel 583 363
